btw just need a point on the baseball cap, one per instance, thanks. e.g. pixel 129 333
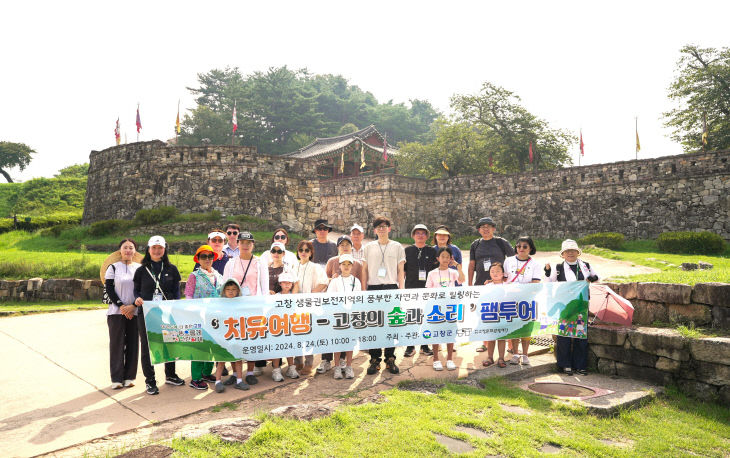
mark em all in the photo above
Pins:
pixel 342 238
pixel 278 245
pixel 156 240
pixel 486 220
pixel 420 226
pixel 245 235
pixel 286 276
pixel 357 227
pixel 345 258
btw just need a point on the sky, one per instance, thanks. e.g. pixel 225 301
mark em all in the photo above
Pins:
pixel 70 69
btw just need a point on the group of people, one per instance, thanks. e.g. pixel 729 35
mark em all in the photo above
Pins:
pixel 226 267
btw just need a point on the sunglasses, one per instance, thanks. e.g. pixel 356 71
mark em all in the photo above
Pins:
pixel 320 229
pixel 277 252
pixel 204 256
pixel 280 237
pixel 304 250
pixel 217 240
pixel 523 246
pixel 232 232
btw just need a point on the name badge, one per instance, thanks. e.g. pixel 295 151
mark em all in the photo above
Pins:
pixel 245 291
pixel 157 297
pixel 487 264
pixel 382 272
pixel 422 275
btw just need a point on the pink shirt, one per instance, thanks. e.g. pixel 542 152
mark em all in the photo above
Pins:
pixel 442 278
pixel 236 267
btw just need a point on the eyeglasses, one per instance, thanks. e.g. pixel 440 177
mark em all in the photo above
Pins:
pixel 277 252
pixel 526 247
pixel 204 256
pixel 232 232
pixel 280 237
pixel 320 228
pixel 304 250
pixel 382 226
pixel 217 240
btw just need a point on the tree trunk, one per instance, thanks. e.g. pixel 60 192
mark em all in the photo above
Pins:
pixel 7 177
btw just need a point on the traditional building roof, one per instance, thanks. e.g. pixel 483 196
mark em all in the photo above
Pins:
pixel 325 147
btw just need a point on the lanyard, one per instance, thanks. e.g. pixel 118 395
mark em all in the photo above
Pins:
pixel 382 252
pixel 241 264
pixel 157 279
pixel 448 278
pixel 344 287
pixel 521 271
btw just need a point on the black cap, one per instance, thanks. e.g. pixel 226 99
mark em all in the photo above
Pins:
pixel 322 222
pixel 245 235
pixel 342 238
pixel 486 220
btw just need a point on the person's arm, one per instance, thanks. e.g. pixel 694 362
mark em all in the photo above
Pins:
pixel 362 277
pixel 461 274
pixel 263 279
pixel 429 281
pixel 138 301
pixel 319 279
pixel 472 264
pixel 175 290
pixel 190 287
pixel 295 288
pixel 401 274
pixel 365 274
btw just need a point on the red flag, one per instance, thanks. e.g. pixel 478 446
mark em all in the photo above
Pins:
pixel 530 152
pixel 117 135
pixel 235 119
pixel 582 153
pixel 385 148
pixel 139 121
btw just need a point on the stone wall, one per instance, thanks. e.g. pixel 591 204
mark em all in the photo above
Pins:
pixel 63 289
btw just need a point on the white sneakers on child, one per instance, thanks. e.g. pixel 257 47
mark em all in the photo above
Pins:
pixel 324 366
pixel 349 373
pixel 515 359
pixel 338 372
pixel 276 375
pixel 525 360
pixel 450 365
pixel 291 372
pixel 437 366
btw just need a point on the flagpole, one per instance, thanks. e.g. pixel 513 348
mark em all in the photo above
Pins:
pixel 177 142
pixel 579 146
pixel 636 130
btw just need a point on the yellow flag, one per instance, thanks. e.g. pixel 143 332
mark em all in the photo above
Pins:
pixel 443 163
pixel 177 121
pixel 342 162
pixel 362 155
pixel 704 129
pixel 638 145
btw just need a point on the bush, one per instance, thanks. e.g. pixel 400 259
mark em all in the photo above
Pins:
pixel 40 222
pixel 611 240
pixel 155 215
pixel 690 243
pixel 55 231
pixel 108 227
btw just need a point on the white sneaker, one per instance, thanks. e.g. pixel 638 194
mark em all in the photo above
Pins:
pixel 525 360
pixel 349 373
pixel 291 372
pixel 276 375
pixel 437 366
pixel 116 385
pixel 338 373
pixel 324 366
pixel 343 363
pixel 257 371
pixel 450 365
pixel 515 359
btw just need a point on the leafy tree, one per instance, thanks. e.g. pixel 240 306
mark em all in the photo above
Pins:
pixel 347 129
pixel 14 155
pixel 702 88
pixel 74 171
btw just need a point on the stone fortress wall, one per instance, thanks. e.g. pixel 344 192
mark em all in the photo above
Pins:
pixel 639 198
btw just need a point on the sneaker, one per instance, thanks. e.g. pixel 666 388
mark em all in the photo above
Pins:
pixel 426 350
pixel 515 359
pixel 581 372
pixel 128 383
pixel 116 385
pixel 349 373
pixel 324 366
pixel 251 379
pixel 175 380
pixel 437 366
pixel 338 372
pixel 257 371
pixel 291 372
pixel 374 367
pixel 568 371
pixel 198 384
pixel 450 365
pixel 276 375
pixel 231 380
pixel 390 364
pixel 343 363
pixel 242 386
pixel 225 371
pixel 219 387
pixel 409 352
pixel 208 378
pixel 525 360
pixel 152 388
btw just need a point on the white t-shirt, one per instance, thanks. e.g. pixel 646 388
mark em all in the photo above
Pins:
pixel 123 276
pixel 438 278
pixel 344 285
pixel 512 265
pixel 309 276
pixel 388 256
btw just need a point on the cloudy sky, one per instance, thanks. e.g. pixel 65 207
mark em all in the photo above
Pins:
pixel 71 68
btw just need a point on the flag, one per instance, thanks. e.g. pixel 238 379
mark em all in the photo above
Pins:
pixel 385 148
pixel 177 120
pixel 582 151
pixel 139 121
pixel 638 145
pixel 443 163
pixel 117 135
pixel 530 152
pixel 362 155
pixel 235 119
pixel 704 130
pixel 342 162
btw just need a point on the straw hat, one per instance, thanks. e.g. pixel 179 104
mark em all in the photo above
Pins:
pixel 116 257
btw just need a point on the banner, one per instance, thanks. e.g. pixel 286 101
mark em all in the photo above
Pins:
pixel 264 327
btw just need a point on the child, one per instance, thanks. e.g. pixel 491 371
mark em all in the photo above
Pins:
pixel 345 283
pixel 203 282
pixel 444 277
pixel 232 289
pixel 571 353
pixel 286 284
pixel 496 275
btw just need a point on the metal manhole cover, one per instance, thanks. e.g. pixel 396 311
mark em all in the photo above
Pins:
pixel 565 390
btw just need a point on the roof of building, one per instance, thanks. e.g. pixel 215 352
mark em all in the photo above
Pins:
pixel 325 146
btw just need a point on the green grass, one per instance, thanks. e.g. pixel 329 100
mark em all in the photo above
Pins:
pixel 404 426
pixel 691 331
pixel 225 405
pixel 42 196
pixel 12 308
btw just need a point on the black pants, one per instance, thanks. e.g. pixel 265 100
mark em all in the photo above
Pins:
pixel 147 368
pixel 331 356
pixel 376 353
pixel 572 353
pixel 123 347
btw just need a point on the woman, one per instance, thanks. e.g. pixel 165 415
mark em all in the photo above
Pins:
pixel 156 279
pixel 247 269
pixel 216 239
pixel 122 316
pixel 521 268
pixel 282 236
pixel 310 278
pixel 442 239
pixel 277 267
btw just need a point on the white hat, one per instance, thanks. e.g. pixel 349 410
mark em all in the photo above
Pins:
pixel 156 240
pixel 421 227
pixel 217 234
pixel 278 245
pixel 357 227
pixel 569 244
pixel 346 257
pixel 286 276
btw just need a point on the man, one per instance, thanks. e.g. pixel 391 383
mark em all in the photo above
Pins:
pixel 323 249
pixel 231 248
pixel 357 233
pixel 420 260
pixel 485 251
pixel 384 265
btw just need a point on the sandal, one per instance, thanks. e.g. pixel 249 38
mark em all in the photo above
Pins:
pixel 501 363
pixel 482 349
pixel 488 362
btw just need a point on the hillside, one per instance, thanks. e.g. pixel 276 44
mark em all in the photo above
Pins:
pixel 43 196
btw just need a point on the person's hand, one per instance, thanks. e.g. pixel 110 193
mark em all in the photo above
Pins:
pixel 127 311
pixel 271 292
pixel 139 302
pixel 458 266
pixel 453 263
pixel 335 276
pixel 547 269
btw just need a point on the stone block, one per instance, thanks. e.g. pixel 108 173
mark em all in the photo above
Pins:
pixel 606 366
pixel 34 284
pixel 662 342
pixel 628 290
pixel 721 317
pixel 606 335
pixel 698 390
pixel 724 395
pixel 94 293
pixel 643 373
pixel 712 350
pixel 715 374
pixel 668 365
pixel 668 293
pixel 647 312
pixel 697 313
pixel 712 294
pixel 635 357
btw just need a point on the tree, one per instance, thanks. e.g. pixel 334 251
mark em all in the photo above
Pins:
pixel 14 155
pixel 74 171
pixel 701 89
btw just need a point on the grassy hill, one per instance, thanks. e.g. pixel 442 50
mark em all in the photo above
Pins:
pixel 43 196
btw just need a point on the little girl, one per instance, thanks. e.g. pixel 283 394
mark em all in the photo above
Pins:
pixel 286 284
pixel 345 283
pixel 444 277
pixel 496 275
pixel 232 289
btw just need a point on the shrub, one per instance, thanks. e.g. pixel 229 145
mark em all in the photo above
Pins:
pixel 55 231
pixel 108 227
pixel 155 215
pixel 612 240
pixel 690 243
pixel 33 223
